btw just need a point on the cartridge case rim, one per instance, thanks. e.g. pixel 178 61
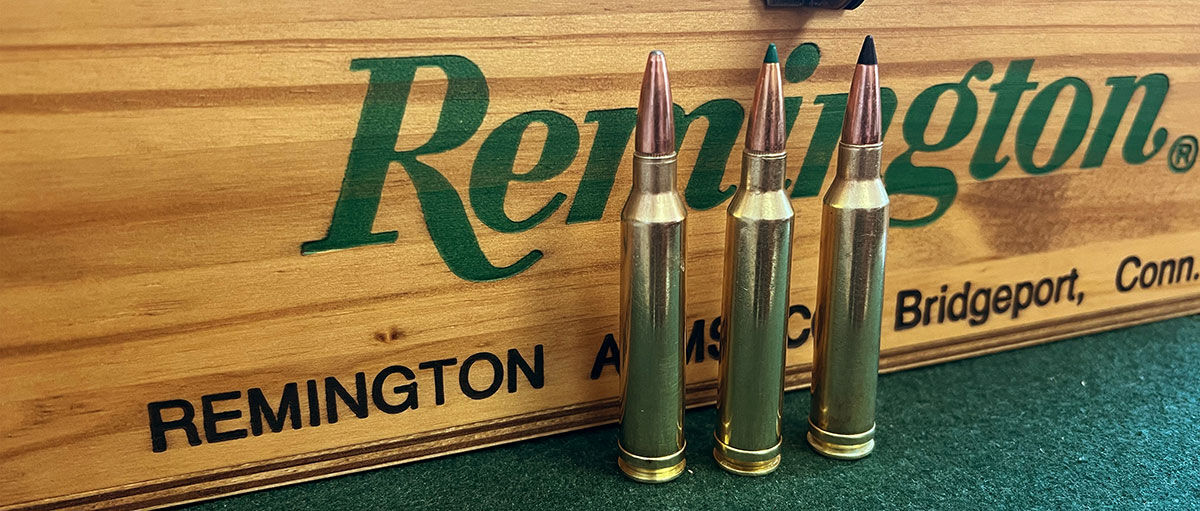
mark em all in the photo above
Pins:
pixel 652 469
pixel 747 463
pixel 841 446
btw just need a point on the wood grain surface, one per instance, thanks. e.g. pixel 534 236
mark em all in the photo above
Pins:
pixel 162 164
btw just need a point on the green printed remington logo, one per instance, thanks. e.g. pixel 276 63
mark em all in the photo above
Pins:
pixel 465 105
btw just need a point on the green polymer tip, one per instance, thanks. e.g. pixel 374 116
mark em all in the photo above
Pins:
pixel 772 56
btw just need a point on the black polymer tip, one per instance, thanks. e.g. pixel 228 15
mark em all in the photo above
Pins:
pixel 867 55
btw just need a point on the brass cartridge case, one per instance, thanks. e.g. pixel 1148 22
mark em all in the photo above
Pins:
pixel 758 256
pixel 854 222
pixel 652 323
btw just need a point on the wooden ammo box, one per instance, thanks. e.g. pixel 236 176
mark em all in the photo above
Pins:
pixel 250 243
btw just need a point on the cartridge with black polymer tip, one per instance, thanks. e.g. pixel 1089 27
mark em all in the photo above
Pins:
pixel 854 224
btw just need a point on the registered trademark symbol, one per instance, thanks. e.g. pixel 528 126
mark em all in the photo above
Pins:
pixel 1183 154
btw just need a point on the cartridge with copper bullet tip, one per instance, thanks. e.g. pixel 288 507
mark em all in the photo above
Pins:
pixel 651 330
pixel 758 257
pixel 854 222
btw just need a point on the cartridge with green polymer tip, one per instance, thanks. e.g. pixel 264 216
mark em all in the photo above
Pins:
pixel 758 256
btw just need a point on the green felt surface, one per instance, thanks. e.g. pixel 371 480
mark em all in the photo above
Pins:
pixel 1106 420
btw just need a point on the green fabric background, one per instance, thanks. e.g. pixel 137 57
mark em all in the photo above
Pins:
pixel 1106 420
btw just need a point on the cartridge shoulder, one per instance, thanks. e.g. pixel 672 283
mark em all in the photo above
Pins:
pixel 772 205
pixel 856 194
pixel 658 208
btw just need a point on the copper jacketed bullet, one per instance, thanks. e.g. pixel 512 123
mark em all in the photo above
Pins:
pixel 854 221
pixel 652 293
pixel 758 256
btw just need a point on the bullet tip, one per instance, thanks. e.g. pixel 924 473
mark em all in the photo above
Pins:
pixel 867 55
pixel 862 122
pixel 656 58
pixel 766 133
pixel 772 55
pixel 655 132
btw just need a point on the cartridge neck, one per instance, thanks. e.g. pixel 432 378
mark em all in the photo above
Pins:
pixel 859 162
pixel 763 172
pixel 654 174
